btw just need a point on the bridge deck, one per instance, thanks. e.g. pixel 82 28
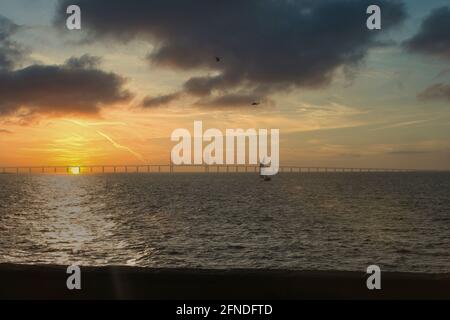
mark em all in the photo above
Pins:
pixel 167 168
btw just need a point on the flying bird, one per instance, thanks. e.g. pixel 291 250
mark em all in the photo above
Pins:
pixel 255 103
pixel 218 59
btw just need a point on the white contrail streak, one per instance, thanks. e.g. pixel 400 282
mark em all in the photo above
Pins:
pixel 119 146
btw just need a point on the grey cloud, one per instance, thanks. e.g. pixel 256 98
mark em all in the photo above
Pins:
pixel 163 100
pixel 438 91
pixel 76 87
pixel 433 37
pixel 59 90
pixel 11 53
pixel 84 62
pixel 268 44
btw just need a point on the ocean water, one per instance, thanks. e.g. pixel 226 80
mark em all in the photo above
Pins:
pixel 310 221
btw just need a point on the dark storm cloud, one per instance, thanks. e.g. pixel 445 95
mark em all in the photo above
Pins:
pixel 438 91
pixel 250 44
pixel 10 52
pixel 163 100
pixel 433 37
pixel 59 89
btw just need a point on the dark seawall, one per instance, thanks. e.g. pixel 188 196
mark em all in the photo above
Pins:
pixel 49 282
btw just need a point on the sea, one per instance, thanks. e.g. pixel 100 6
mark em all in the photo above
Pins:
pixel 297 221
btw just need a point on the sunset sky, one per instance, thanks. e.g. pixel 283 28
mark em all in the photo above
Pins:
pixel 113 92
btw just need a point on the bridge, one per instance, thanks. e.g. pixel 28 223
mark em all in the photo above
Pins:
pixel 168 168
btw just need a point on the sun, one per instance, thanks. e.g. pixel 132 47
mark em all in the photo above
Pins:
pixel 74 170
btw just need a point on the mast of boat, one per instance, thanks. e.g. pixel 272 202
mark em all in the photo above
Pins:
pixel 262 165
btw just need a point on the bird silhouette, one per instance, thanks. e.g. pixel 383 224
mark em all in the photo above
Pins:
pixel 218 59
pixel 255 103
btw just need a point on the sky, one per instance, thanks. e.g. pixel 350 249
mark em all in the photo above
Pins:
pixel 114 91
